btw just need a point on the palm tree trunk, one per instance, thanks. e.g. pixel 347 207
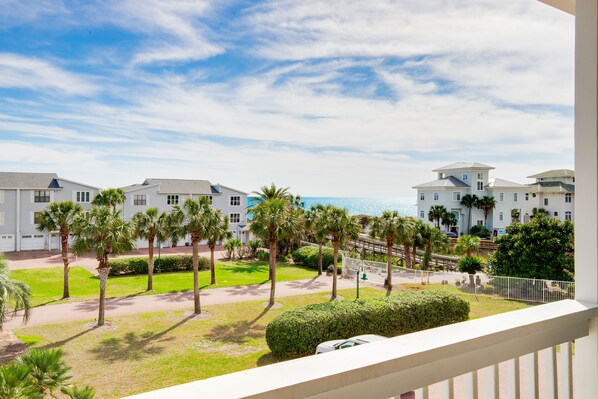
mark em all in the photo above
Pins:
pixel 334 260
pixel 103 271
pixel 272 272
pixel 64 238
pixel 195 260
pixel 414 254
pixel 320 260
pixel 407 255
pixel 212 270
pixel 469 221
pixel 389 264
pixel 427 255
pixel 150 264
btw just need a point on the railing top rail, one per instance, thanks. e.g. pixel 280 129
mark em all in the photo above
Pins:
pixel 402 363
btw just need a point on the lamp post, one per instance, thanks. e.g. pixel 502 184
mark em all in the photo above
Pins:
pixel 363 277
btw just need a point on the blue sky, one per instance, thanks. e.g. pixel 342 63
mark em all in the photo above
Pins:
pixel 330 98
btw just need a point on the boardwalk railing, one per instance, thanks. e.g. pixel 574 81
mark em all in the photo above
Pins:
pixel 523 289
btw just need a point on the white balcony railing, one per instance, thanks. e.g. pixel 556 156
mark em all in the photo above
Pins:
pixel 490 354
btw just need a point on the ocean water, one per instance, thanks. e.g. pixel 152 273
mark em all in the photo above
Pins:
pixel 406 206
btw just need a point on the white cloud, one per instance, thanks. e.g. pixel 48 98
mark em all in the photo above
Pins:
pixel 17 71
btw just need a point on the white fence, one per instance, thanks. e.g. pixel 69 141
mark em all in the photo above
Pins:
pixel 513 288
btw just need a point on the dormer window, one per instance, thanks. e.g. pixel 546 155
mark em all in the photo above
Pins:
pixel 465 177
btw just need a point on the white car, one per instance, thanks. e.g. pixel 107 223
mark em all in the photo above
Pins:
pixel 330 346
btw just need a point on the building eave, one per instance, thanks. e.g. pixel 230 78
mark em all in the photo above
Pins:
pixel 564 5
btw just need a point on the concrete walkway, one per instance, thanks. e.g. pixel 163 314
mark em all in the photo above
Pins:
pixel 42 259
pixel 72 311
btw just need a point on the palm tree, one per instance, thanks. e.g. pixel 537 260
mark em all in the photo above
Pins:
pixel 217 229
pixel 61 216
pixel 175 228
pixel 195 225
pixel 48 371
pixel 435 214
pixel 12 292
pixel 150 226
pixel 111 197
pixel 267 193
pixel 341 226
pixel 515 215
pixel 467 245
pixel 74 392
pixel 405 233
pixel 104 232
pixel 275 219
pixel 316 227
pixel 449 219
pixel 486 204
pixel 385 227
pixel 433 240
pixel 469 201
pixel 539 212
pixel 15 382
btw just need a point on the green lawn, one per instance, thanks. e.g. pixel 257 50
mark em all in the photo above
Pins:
pixel 46 284
pixel 140 353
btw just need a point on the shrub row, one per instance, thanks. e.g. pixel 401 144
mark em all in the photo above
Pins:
pixel 298 332
pixel 308 256
pixel 172 263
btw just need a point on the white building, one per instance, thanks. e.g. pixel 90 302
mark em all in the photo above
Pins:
pixel 165 193
pixel 23 196
pixel 553 191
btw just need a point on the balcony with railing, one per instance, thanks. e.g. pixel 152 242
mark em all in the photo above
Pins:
pixel 522 354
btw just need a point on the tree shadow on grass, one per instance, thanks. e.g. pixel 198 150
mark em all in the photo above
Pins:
pixel 133 345
pixel 266 359
pixel 247 269
pixel 238 332
pixel 65 341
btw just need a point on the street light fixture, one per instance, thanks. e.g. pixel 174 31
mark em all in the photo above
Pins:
pixel 360 269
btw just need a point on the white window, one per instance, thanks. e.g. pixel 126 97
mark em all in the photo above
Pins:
pixel 556 214
pixel 235 200
pixel 527 196
pixel 567 198
pixel 172 199
pixel 1 218
pixel 567 215
pixel 210 199
pixel 465 177
pixel 515 197
pixel 456 196
pixel 501 216
pixel 545 201
pixel 501 197
pixel 422 214
pixel 36 217
pixel 41 196
pixel 1 196
pixel 534 195
pixel 422 196
pixel 139 199
pixel 480 222
pixel 235 217
pixel 82 196
pixel 480 186
pixel 480 176
pixel 435 196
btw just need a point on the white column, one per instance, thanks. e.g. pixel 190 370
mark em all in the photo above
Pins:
pixel 586 187
pixel 18 220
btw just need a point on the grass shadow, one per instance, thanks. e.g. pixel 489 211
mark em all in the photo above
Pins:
pixel 266 359
pixel 63 342
pixel 238 332
pixel 133 345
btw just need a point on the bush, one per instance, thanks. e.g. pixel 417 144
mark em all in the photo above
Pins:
pixel 308 256
pixel 298 332
pixel 479 231
pixel 253 245
pixel 174 263
pixel 263 256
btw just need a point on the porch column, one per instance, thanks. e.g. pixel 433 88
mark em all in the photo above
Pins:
pixel 586 189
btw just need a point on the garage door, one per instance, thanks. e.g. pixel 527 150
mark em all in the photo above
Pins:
pixel 7 242
pixel 33 241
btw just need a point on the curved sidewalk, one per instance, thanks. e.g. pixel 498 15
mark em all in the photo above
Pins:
pixel 72 311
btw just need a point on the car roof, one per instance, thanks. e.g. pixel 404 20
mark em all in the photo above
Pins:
pixel 368 338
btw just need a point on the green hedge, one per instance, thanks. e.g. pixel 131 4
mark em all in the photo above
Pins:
pixel 172 263
pixel 308 256
pixel 298 332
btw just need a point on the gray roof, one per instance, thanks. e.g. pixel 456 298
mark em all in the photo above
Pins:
pixel 553 173
pixel 447 182
pixel 463 165
pixel 29 180
pixel 179 186
pixel 553 186
pixel 500 183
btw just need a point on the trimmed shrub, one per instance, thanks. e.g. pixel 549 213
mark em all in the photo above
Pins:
pixel 297 332
pixel 470 265
pixel 168 264
pixel 263 256
pixel 479 231
pixel 308 256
